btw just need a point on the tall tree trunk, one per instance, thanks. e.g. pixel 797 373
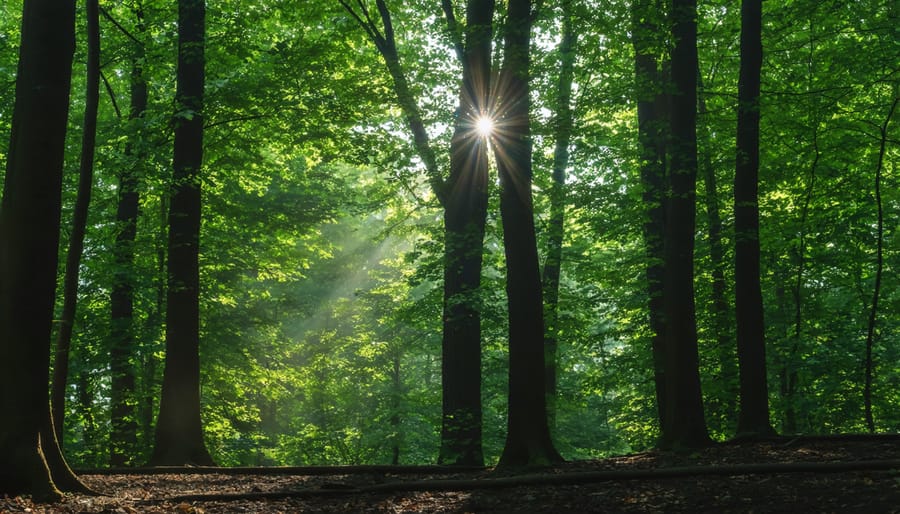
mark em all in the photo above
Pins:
pixel 179 430
pixel 528 436
pixel 464 198
pixel 79 221
pixel 684 421
pixel 652 133
pixel 29 239
pixel 553 261
pixel 753 416
pixel 879 268
pixel 465 211
pixel 720 306
pixel 123 403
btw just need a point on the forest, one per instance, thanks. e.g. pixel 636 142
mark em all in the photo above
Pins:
pixel 470 233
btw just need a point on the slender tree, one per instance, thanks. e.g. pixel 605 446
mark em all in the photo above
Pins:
pixel 30 458
pixel 123 403
pixel 79 219
pixel 753 416
pixel 879 268
pixel 553 261
pixel 179 430
pixel 528 439
pixel 684 422
pixel 651 107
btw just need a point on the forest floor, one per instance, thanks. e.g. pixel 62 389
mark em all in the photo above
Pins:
pixel 831 474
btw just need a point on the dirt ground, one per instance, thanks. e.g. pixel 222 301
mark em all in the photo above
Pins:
pixel 839 475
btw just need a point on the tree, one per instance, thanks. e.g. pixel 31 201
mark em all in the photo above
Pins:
pixel 30 458
pixel 528 436
pixel 179 430
pixel 753 415
pixel 879 268
pixel 684 422
pixel 553 261
pixel 123 402
pixel 651 112
pixel 465 211
pixel 464 199
pixel 79 220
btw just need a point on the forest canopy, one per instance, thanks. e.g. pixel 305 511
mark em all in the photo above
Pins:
pixel 333 195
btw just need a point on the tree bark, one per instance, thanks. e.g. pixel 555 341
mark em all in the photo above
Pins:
pixel 465 211
pixel 684 419
pixel 179 430
pixel 753 415
pixel 123 403
pixel 29 239
pixel 528 436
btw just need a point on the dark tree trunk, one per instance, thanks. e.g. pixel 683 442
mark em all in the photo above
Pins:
pixel 553 261
pixel 179 430
pixel 528 437
pixel 651 111
pixel 29 239
pixel 753 415
pixel 685 425
pixel 465 210
pixel 879 268
pixel 79 221
pixel 123 403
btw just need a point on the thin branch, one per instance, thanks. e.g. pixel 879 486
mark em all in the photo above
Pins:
pixel 453 28
pixel 125 31
pixel 112 95
pixel 247 117
pixel 364 21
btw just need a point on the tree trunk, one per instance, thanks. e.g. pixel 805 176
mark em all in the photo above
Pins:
pixel 179 430
pixel 79 221
pixel 465 211
pixel 552 264
pixel 684 421
pixel 651 107
pixel 29 232
pixel 879 268
pixel 720 307
pixel 528 437
pixel 123 402
pixel 753 415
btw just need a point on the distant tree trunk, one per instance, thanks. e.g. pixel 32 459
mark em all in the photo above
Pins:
pixel 753 415
pixel 465 211
pixel 179 430
pixel 552 264
pixel 879 268
pixel 123 403
pixel 685 425
pixel 651 107
pixel 79 221
pixel 30 459
pixel 722 323
pixel 528 437
pixel 396 395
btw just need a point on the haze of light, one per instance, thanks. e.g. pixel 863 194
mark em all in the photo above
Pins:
pixel 484 125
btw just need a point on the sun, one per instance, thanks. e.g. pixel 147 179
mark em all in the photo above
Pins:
pixel 484 126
